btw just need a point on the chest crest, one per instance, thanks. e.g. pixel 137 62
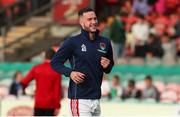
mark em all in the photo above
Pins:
pixel 102 47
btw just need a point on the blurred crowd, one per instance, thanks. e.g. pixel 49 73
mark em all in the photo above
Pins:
pixel 142 28
pixel 146 90
pixel 137 28
pixel 14 9
pixel 115 88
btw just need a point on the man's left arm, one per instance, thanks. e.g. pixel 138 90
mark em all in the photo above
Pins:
pixel 108 62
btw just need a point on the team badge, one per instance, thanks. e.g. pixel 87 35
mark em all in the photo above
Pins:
pixel 102 46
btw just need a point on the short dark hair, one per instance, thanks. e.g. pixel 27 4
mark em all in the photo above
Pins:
pixel 84 10
pixel 15 74
pixel 131 83
pixel 49 54
pixel 148 77
pixel 116 77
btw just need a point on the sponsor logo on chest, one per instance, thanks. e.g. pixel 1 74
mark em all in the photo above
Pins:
pixel 83 48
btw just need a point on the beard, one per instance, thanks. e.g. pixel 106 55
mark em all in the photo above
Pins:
pixel 88 28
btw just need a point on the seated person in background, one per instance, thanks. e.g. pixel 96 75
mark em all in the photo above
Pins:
pixel 116 89
pixel 15 87
pixel 130 91
pixel 150 91
pixel 105 87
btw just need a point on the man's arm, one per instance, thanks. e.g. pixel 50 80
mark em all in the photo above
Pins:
pixel 108 62
pixel 57 63
pixel 64 53
pixel 29 77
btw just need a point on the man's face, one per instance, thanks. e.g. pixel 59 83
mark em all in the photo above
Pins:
pixel 89 21
pixel 148 83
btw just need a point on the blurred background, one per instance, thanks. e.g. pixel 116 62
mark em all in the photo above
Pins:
pixel 145 35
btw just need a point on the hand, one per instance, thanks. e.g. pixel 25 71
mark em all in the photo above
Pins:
pixel 77 77
pixel 105 62
pixel 56 112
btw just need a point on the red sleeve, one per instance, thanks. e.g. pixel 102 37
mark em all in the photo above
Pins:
pixel 58 105
pixel 58 96
pixel 29 77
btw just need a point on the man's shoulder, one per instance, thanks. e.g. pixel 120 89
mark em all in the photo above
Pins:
pixel 40 65
pixel 73 38
pixel 105 39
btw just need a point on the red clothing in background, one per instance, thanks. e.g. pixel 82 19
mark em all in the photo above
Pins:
pixel 7 2
pixel 112 1
pixel 48 86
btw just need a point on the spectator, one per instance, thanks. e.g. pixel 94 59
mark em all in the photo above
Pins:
pixel 112 6
pixel 171 6
pixel 140 7
pixel 175 22
pixel 108 23
pixel 23 8
pixel 116 89
pixel 140 31
pixel 130 91
pixel 128 52
pixel 168 48
pixel 130 42
pixel 151 4
pixel 153 47
pixel 15 87
pixel 127 6
pixel 105 87
pixel 150 91
pixel 118 36
pixel 48 87
pixel 10 11
pixel 160 6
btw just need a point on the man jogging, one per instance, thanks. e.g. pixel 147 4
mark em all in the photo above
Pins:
pixel 90 55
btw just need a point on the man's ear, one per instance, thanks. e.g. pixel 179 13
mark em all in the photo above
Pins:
pixel 81 21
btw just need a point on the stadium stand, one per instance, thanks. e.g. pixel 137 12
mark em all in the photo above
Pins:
pixel 38 27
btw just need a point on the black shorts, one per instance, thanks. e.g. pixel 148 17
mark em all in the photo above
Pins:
pixel 43 112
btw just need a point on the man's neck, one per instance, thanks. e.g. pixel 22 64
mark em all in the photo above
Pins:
pixel 91 36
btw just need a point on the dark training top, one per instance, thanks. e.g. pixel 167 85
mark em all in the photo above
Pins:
pixel 84 56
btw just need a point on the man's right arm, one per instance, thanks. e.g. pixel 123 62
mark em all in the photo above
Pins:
pixel 64 53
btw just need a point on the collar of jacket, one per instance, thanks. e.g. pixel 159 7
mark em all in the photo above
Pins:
pixel 86 34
